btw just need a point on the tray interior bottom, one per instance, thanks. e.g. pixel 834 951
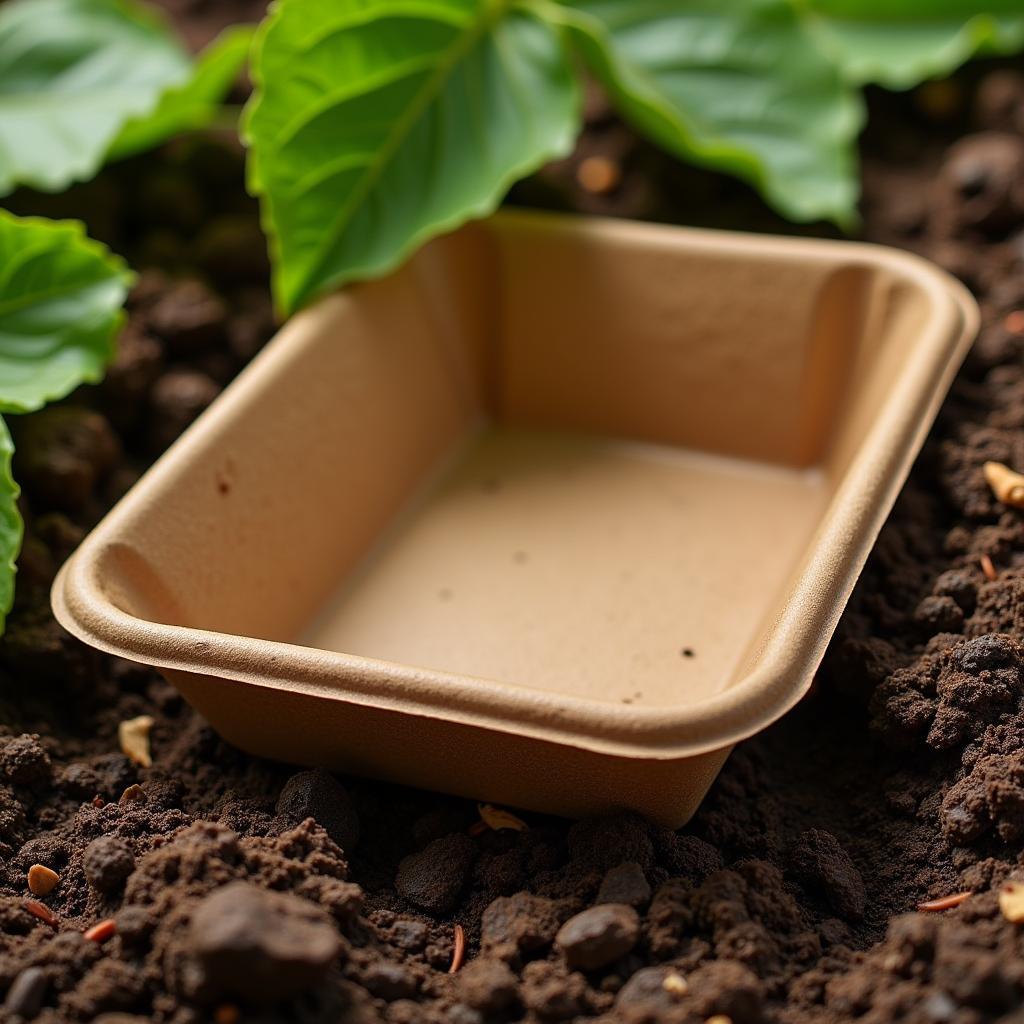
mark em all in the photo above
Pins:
pixel 584 566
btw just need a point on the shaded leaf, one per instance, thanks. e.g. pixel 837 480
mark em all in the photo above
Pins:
pixel 10 524
pixel 376 124
pixel 72 73
pixel 908 42
pixel 60 309
pixel 738 85
pixel 195 104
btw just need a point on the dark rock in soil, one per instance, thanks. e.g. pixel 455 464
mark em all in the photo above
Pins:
pixel 522 923
pixel 107 863
pixel 317 794
pixel 249 942
pixel 598 936
pixel 434 877
pixel 26 994
pixel 625 884
pixel 487 985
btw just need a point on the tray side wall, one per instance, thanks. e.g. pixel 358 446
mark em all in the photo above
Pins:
pixel 245 527
pixel 449 757
pixel 729 350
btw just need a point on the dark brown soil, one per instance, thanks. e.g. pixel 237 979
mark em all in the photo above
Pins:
pixel 240 891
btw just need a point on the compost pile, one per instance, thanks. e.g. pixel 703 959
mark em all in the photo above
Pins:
pixel 230 889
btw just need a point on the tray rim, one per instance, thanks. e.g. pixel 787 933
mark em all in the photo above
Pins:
pixel 836 554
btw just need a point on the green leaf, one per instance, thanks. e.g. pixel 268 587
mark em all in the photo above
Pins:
pixel 195 104
pixel 60 309
pixel 737 85
pixel 10 524
pixel 905 41
pixel 72 73
pixel 376 124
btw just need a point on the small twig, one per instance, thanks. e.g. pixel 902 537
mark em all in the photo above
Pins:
pixel 101 931
pixel 943 902
pixel 459 950
pixel 42 911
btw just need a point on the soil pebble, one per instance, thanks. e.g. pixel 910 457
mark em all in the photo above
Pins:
pixel 107 863
pixel 522 923
pixel 433 878
pixel 625 883
pixel 598 936
pixel 390 981
pixel 25 996
pixel 317 794
pixel 653 990
pixel 487 985
pixel 250 942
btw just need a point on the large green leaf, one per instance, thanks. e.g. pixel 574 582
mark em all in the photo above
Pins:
pixel 378 123
pixel 72 73
pixel 195 104
pixel 738 85
pixel 60 309
pixel 10 524
pixel 906 41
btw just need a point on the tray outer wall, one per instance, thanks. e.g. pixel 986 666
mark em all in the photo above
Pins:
pixel 519 763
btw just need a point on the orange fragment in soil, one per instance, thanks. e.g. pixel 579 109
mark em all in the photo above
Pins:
pixel 1014 321
pixel 459 952
pixel 988 568
pixel 943 902
pixel 226 1013
pixel 598 175
pixel 43 912
pixel 101 931
pixel 42 880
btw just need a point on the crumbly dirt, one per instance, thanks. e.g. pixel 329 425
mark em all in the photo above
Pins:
pixel 240 890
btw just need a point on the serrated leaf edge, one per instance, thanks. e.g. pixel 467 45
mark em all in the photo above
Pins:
pixel 308 291
pixel 9 514
pixel 119 270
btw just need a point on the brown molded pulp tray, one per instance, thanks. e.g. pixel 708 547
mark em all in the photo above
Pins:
pixel 552 517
